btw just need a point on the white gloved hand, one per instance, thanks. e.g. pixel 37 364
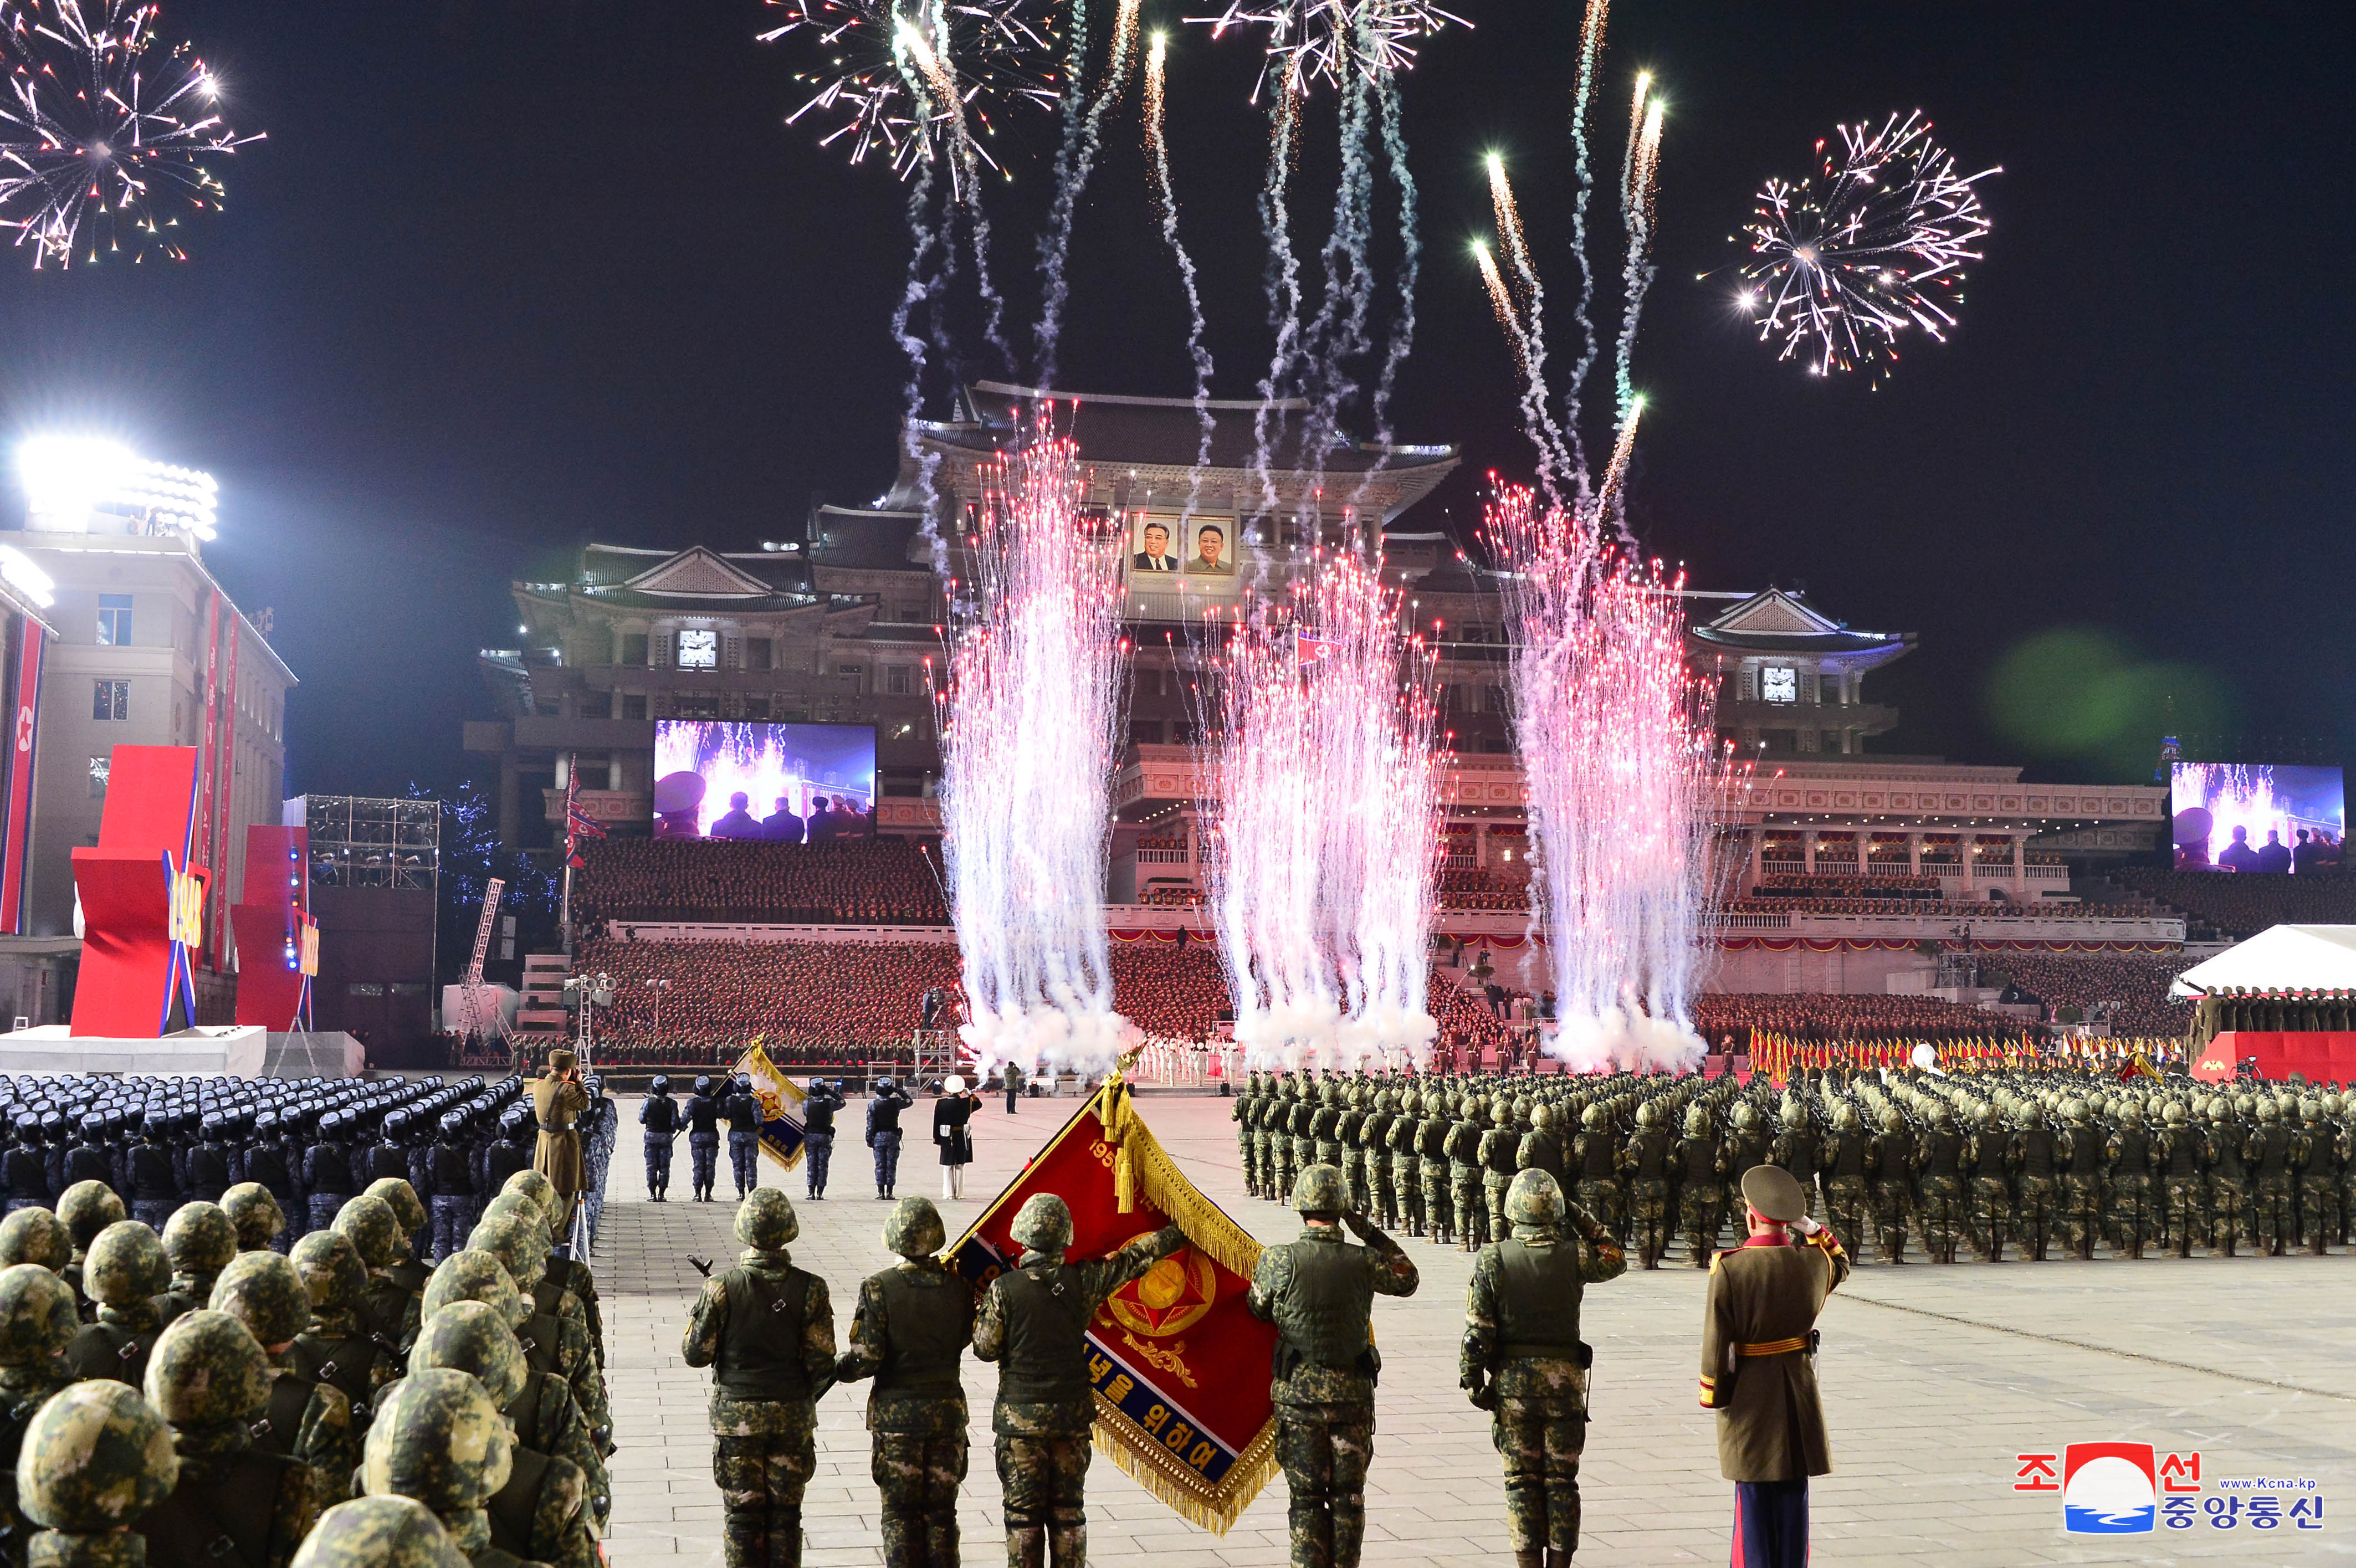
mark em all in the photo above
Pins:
pixel 1806 1226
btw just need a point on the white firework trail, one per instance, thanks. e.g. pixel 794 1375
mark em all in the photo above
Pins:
pixel 1157 146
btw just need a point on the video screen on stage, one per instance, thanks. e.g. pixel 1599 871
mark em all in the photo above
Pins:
pixel 2257 817
pixel 786 783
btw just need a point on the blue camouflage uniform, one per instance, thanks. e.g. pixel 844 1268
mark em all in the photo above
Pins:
pixel 817 1132
pixel 883 1133
pixel 743 1114
pixel 659 1117
pixel 703 1137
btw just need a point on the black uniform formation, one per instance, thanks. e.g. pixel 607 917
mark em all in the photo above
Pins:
pixel 2052 1162
pixel 184 1387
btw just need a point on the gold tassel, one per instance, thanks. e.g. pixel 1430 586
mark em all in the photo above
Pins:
pixel 1254 1468
pixel 1165 1188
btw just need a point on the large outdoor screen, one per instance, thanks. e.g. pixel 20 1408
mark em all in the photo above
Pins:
pixel 789 782
pixel 2256 817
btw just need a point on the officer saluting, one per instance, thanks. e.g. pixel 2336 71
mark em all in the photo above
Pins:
pixel 1320 1293
pixel 1758 1367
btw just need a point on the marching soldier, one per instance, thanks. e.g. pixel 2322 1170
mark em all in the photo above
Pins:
pixel 1499 1152
pixel 1407 1160
pixel 1326 1124
pixel 234 1501
pixel 913 1322
pixel 1349 1126
pixel 1464 1146
pixel 2128 1152
pixel 884 1133
pixel 1794 1150
pixel 1700 1164
pixel 659 1117
pixel 1299 1123
pixel 1319 1291
pixel 818 1108
pixel 1844 1161
pixel 1596 1153
pixel 2221 1142
pixel 2269 1151
pixel 2321 1145
pixel 1991 1202
pixel 2082 1179
pixel 1647 1162
pixel 37 1323
pixel 1758 1367
pixel 1032 1322
pixel 1940 1153
pixel 2179 1158
pixel 1243 1114
pixel 766 1330
pixel 1375 1137
pixel 1277 1123
pixel 703 1137
pixel 1524 1361
pixel 743 1112
pixel 1542 1146
pixel 1893 1168
pixel 2034 1151
pixel 1431 1155
pixel 126 1272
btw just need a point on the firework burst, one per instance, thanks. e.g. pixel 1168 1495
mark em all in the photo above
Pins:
pixel 1331 40
pixel 106 133
pixel 895 79
pixel 1875 244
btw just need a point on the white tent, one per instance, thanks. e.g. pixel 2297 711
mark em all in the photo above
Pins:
pixel 2279 958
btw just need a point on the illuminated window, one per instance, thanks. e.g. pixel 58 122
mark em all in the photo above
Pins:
pixel 1779 683
pixel 114 619
pixel 699 650
pixel 112 700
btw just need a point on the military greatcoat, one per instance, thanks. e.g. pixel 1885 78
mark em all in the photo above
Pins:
pixel 1758 1360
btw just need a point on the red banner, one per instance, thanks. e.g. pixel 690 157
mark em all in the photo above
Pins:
pixel 1182 1371
pixel 217 934
pixel 143 905
pixel 207 738
pixel 32 643
pixel 277 940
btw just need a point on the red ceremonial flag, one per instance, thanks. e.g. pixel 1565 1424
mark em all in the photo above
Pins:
pixel 1181 1368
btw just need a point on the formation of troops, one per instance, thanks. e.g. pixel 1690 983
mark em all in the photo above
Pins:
pixel 2051 1163
pixel 255 1324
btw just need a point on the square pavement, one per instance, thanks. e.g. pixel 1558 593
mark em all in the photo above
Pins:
pixel 1934 1380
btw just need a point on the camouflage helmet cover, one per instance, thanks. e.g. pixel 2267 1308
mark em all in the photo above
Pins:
pixel 1535 1199
pixel 124 1265
pixel 331 1269
pixel 374 1230
pixel 35 1236
pixel 88 1208
pixel 199 1239
pixel 378 1533
pixel 438 1438
pixel 536 1186
pixel 471 1337
pixel 765 1221
pixel 36 1314
pixel 265 1291
pixel 1043 1224
pixel 518 1248
pixel 95 1457
pixel 207 1369
pixel 476 1275
pixel 407 1208
pixel 1318 1190
pixel 253 1209
pixel 914 1227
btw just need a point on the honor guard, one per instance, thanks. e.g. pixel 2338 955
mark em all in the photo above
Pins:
pixel 1758 1366
pixel 703 1138
pixel 1524 1361
pixel 818 1133
pixel 884 1133
pixel 1032 1323
pixel 743 1113
pixel 766 1330
pixel 913 1324
pixel 659 1116
pixel 1319 1291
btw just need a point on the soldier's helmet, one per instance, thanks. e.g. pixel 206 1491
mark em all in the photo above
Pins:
pixel 520 1249
pixel 126 1264
pixel 471 1337
pixel 35 1236
pixel 1793 1116
pixel 407 1206
pixel 1043 1224
pixel 1534 1198
pixel 536 1186
pixel 2131 1113
pixel 1942 1113
pixel 704 1082
pixel 199 1239
pixel 1742 1117
pixel 476 1275
pixel 265 1291
pixel 658 1085
pixel 1845 1117
pixel 253 1209
pixel 88 1208
pixel 373 1231
pixel 378 1533
pixel 1893 1120
pixel 519 1209
pixel 438 1438
pixel 1647 1115
pixel 206 1368
pixel 765 1221
pixel 331 1269
pixel 95 1457
pixel 2333 1104
pixel 2078 1111
pixel 1542 1117
pixel 1318 1190
pixel 1592 1117
pixel 36 1314
pixel 2174 1114
pixel 914 1227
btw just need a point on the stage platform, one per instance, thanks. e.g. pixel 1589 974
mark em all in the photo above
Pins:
pixel 2320 1056
pixel 233 1050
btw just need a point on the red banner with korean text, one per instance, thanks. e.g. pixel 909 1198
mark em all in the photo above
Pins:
pixel 33 643
pixel 1181 1368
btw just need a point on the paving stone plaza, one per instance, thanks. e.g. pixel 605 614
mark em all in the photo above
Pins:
pixel 1934 1380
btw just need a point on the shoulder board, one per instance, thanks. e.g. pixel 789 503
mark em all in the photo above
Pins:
pixel 1719 1257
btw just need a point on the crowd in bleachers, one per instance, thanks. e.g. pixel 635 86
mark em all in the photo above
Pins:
pixel 1469 1026
pixel 1476 888
pixel 1875 884
pixel 800 997
pixel 888 881
pixel 1932 909
pixel 1175 898
pixel 2128 989
pixel 1729 1020
pixel 2241 903
pixel 1177 993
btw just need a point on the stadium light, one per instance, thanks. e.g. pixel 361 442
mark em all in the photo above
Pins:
pixel 68 478
pixel 19 573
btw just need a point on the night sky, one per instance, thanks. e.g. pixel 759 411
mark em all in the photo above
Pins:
pixel 511 276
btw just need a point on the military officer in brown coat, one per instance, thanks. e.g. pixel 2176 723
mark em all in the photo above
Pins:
pixel 1759 1370
pixel 557 1102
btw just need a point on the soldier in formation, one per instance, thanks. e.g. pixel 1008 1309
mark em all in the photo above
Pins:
pixel 910 1330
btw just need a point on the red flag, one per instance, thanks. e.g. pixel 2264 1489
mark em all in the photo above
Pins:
pixel 1181 1368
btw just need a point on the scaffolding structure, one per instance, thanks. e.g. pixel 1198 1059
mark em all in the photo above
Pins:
pixel 358 842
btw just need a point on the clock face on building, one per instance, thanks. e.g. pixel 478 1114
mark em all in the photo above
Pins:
pixel 1776 683
pixel 701 650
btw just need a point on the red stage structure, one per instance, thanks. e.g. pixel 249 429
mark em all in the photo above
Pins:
pixel 277 940
pixel 143 904
pixel 2321 1056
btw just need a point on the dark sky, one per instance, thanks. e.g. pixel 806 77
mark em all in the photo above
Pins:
pixel 513 275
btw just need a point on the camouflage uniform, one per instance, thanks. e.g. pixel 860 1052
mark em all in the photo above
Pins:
pixel 1301 1122
pixel 1595 1154
pixel 1319 1291
pixel 2035 1158
pixel 1523 1360
pixel 1794 1150
pixel 1349 1127
pixel 2229 1180
pixel 913 1322
pixel 440 1440
pixel 2081 1180
pixel 37 1323
pixel 766 1329
pixel 261 1221
pixel 1499 1152
pixel 1375 1137
pixel 233 1500
pixel 125 1272
pixel 1407 1162
pixel 2318 1181
pixel 2177 1154
pixel 96 1458
pixel 1940 1153
pixel 1279 1134
pixel 1991 1199
pixel 2128 1151
pixel 1032 1321
pixel 1325 1125
pixel 2268 1150
pixel 199 1241
pixel 1431 1157
pixel 305 1419
pixel 555 1336
pixel 1646 1159
pixel 1844 1161
pixel 336 1348
pixel 1242 1116
pixel 1465 1167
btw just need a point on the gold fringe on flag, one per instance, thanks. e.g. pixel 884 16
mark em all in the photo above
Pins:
pixel 1149 1466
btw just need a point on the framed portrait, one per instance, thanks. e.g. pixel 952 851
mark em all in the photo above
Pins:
pixel 1211 551
pixel 1154 545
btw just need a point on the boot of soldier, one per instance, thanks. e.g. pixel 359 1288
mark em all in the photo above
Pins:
pixel 1529 1560
pixel 1068 1545
pixel 1556 1559
pixel 2319 1249
pixel 1026 1546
